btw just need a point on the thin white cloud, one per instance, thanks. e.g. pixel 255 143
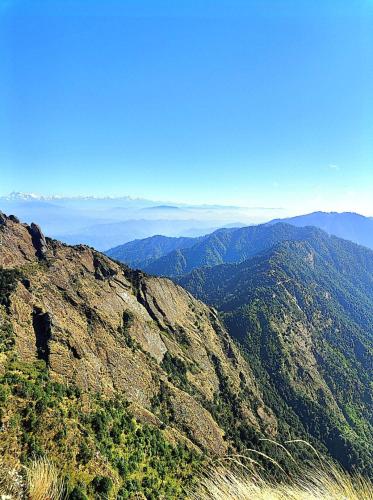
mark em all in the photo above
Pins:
pixel 333 166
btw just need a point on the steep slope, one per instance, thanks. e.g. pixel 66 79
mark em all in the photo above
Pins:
pixel 100 327
pixel 141 253
pixel 346 225
pixel 304 312
pixel 225 246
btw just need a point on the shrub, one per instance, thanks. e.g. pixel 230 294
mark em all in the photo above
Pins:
pixel 102 485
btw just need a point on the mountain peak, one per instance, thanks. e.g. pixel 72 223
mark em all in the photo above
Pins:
pixel 21 196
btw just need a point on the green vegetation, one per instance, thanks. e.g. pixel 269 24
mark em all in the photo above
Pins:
pixel 8 283
pixel 222 246
pixel 177 371
pixel 162 405
pixel 102 451
pixel 303 313
pixel 123 330
pixel 6 333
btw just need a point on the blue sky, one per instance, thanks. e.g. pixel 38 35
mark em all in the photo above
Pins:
pixel 259 103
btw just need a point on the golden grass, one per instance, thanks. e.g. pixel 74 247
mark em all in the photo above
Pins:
pixel 43 482
pixel 312 484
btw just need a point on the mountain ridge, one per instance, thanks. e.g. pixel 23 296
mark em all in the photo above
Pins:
pixel 219 249
pixel 141 252
pixel 303 312
pixel 347 225
pixel 225 246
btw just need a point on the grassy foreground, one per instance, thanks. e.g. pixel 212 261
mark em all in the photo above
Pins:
pixel 331 484
pixel 41 481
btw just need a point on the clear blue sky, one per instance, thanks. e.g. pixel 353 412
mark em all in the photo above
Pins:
pixel 266 102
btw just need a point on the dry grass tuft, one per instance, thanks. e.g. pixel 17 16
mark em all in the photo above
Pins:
pixel 313 484
pixel 43 482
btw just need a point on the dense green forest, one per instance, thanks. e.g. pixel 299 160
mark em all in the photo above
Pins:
pixel 303 312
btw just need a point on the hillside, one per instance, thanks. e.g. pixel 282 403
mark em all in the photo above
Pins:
pixel 303 310
pixel 225 246
pixel 141 253
pixel 75 326
pixel 346 225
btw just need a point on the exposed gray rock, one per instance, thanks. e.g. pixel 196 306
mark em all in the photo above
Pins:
pixel 38 240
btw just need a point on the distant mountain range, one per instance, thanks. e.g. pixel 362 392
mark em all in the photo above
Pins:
pixel 101 236
pixel 222 246
pixel 347 225
pixel 175 257
pixel 20 196
pixel 105 222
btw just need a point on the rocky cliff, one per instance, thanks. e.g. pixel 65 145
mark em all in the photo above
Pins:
pixel 108 329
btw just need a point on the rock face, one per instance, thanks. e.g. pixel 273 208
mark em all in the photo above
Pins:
pixel 38 240
pixel 109 329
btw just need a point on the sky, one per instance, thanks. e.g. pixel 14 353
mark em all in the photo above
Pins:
pixel 257 103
